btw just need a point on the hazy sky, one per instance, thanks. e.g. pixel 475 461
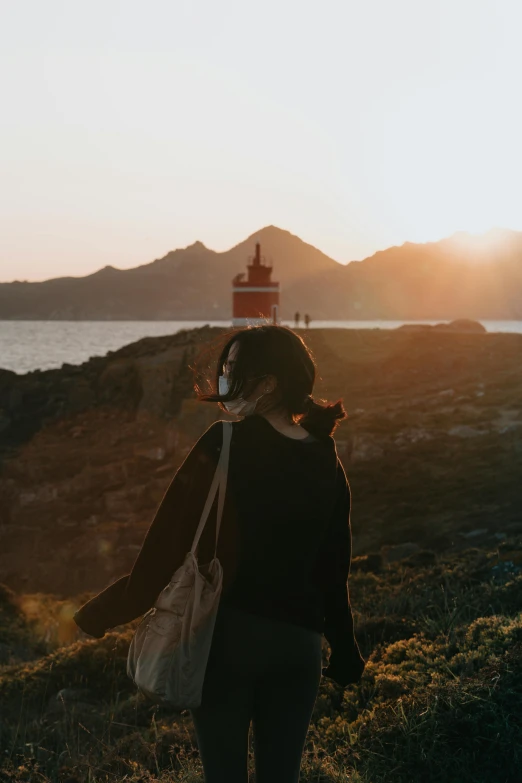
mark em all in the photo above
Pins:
pixel 132 128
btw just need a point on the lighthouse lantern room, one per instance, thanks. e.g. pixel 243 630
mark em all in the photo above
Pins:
pixel 256 299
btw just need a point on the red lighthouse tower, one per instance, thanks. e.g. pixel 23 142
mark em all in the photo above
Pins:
pixel 256 299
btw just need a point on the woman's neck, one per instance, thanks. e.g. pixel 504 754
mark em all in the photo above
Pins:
pixel 283 423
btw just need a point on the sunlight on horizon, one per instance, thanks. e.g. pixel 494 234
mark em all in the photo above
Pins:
pixel 482 246
pixel 131 131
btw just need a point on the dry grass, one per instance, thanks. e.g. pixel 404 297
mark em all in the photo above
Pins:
pixel 439 700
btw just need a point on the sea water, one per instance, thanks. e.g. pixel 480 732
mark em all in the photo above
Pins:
pixel 44 345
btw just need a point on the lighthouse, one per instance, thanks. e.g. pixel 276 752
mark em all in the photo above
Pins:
pixel 256 299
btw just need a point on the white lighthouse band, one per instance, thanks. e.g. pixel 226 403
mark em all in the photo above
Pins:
pixel 256 321
pixel 257 289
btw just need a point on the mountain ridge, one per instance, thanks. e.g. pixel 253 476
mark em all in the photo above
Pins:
pixel 461 276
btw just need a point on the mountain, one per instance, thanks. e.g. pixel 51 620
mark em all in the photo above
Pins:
pixel 189 283
pixel 462 276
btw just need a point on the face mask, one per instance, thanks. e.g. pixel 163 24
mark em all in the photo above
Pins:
pixel 239 406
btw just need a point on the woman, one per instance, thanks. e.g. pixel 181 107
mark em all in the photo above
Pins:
pixel 285 548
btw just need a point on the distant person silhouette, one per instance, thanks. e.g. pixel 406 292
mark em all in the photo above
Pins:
pixel 307 320
pixel 297 318
pixel 285 549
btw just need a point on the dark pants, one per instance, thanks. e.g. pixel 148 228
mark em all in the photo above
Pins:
pixel 262 671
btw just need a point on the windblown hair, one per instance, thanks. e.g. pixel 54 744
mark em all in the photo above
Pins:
pixel 270 349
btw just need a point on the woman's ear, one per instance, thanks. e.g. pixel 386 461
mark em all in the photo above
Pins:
pixel 270 383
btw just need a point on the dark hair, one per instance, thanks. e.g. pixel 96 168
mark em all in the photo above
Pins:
pixel 270 349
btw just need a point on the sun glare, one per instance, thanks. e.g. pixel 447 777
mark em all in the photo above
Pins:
pixel 481 246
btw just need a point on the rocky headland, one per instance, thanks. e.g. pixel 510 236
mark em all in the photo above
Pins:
pixel 432 447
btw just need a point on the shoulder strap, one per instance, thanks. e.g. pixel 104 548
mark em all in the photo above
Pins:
pixel 219 480
pixel 223 470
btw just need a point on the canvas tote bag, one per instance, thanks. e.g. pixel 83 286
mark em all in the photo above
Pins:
pixel 169 651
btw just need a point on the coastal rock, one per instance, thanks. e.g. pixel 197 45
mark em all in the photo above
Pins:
pixel 123 503
pixel 460 325
pixel 43 494
pixel 147 378
pixel 156 453
pixel 465 431
pixel 365 448
pixel 412 436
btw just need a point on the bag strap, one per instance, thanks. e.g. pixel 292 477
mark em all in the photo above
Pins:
pixel 225 454
pixel 219 480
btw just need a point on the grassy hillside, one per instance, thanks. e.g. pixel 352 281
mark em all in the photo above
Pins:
pixel 439 700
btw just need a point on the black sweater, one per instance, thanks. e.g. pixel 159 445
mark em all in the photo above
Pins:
pixel 284 542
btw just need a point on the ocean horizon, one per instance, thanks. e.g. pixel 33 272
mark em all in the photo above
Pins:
pixel 26 346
